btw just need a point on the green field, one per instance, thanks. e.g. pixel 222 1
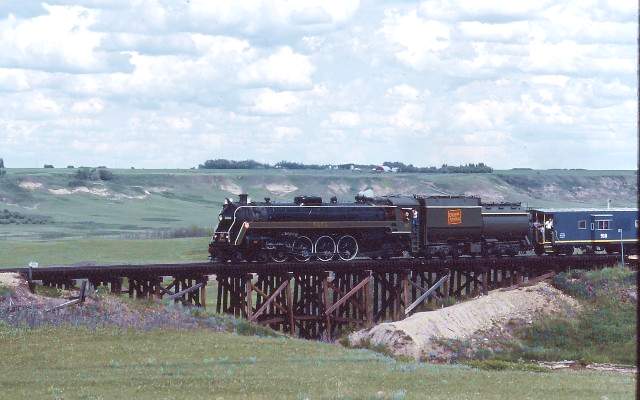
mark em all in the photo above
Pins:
pixel 75 363
pixel 143 203
pixel 102 251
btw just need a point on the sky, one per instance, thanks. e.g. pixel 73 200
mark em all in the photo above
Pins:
pixel 170 84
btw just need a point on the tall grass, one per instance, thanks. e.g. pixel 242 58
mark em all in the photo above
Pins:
pixel 603 331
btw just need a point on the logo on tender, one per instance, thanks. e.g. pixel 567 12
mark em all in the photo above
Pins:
pixel 454 217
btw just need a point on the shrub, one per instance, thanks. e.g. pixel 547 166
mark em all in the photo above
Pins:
pixel 83 173
pixel 93 174
pixel 104 174
pixel 48 166
pixel 500 365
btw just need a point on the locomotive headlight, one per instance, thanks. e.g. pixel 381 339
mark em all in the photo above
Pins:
pixel 220 217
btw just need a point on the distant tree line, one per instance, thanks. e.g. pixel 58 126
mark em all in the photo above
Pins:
pixel 295 165
pixel 221 163
pixel 469 168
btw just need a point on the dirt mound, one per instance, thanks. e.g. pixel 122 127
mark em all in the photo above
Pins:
pixel 20 307
pixel 17 291
pixel 419 335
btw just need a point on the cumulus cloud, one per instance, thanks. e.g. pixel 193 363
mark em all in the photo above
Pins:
pixel 268 101
pixel 409 117
pixel 431 82
pixel 282 68
pixel 60 41
pixel 345 118
pixel 419 41
pixel 89 106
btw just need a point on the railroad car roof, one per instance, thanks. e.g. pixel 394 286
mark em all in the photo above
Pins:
pixel 600 210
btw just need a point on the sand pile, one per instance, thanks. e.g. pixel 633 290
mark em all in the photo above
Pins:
pixel 418 335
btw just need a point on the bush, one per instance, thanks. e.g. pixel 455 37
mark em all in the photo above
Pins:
pixel 592 284
pixel 48 166
pixel 104 174
pixel 93 174
pixel 500 365
pixel 8 217
pixel 70 166
pixel 83 173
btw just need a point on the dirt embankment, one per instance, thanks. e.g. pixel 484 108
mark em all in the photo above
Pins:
pixel 420 335
pixel 20 307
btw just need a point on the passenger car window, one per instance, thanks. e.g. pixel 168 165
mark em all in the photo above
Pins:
pixel 582 224
pixel 603 225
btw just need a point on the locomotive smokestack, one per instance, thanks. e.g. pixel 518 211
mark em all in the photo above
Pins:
pixel 243 198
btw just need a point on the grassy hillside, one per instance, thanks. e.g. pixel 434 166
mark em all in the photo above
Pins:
pixel 54 203
pixel 73 363
pixel 603 331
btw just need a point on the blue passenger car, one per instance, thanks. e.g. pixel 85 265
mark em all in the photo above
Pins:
pixel 561 231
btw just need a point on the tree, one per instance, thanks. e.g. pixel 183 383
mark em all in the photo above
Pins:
pixel 94 174
pixel 2 170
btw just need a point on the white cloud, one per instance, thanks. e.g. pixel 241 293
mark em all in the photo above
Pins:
pixel 406 92
pixel 490 10
pixel 517 31
pixel 345 118
pixel 410 117
pixel 286 132
pixel 419 40
pixel 59 41
pixel 283 68
pixel 268 101
pixel 90 106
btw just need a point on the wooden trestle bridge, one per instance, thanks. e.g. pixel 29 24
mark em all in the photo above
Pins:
pixel 315 299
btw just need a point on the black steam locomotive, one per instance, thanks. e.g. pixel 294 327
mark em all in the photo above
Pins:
pixel 378 227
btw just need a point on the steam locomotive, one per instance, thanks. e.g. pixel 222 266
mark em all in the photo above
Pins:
pixel 416 226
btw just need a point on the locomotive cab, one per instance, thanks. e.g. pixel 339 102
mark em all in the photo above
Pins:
pixel 225 221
